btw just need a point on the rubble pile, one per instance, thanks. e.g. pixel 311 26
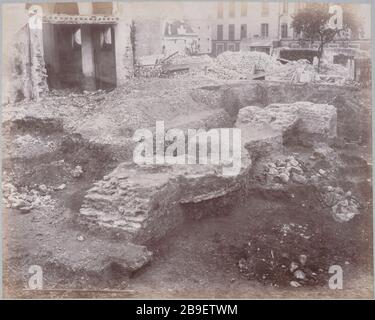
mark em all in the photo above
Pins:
pixel 302 71
pixel 343 205
pixel 316 126
pixel 242 65
pixel 295 72
pixel 148 71
pixel 284 171
pixel 245 65
pixel 29 146
pixel 182 58
pixel 160 65
pixel 288 254
pixel 148 66
pixel 333 69
pixel 25 199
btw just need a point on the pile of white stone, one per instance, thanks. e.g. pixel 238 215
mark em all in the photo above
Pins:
pixel 283 170
pixel 300 71
pixel 344 206
pixel 25 199
pixel 242 65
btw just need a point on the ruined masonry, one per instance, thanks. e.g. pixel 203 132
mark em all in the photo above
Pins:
pixel 147 201
pixel 38 69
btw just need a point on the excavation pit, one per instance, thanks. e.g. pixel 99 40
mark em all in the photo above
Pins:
pixel 210 232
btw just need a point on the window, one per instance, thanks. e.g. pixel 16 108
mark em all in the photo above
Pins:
pixel 265 8
pixel 220 32
pixel 243 9
pixel 264 29
pixel 284 30
pixel 232 9
pixel 220 10
pixel 243 31
pixel 219 48
pixel 285 7
pixel 231 32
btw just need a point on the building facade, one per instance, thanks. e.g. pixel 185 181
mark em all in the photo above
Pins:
pixel 259 23
pixel 264 24
pixel 202 28
pixel 179 37
pixel 60 45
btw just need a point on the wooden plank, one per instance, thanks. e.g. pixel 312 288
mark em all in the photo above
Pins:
pixel 170 56
pixel 175 67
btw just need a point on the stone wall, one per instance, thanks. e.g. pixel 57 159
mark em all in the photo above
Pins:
pixel 146 202
pixel 123 45
pixel 16 69
pixel 24 74
pixel 38 70
pixel 15 57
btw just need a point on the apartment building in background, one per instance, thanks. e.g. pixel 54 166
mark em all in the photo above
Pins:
pixel 260 23
pixel 263 25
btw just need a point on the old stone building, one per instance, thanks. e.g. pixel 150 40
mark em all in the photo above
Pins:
pixel 65 45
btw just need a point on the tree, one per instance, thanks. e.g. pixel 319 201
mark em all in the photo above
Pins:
pixel 313 23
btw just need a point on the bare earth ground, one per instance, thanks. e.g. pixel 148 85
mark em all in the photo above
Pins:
pixel 198 259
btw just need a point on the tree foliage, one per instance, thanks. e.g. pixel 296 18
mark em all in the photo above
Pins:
pixel 312 23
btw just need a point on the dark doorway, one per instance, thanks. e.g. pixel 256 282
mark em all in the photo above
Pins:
pixel 63 55
pixel 104 56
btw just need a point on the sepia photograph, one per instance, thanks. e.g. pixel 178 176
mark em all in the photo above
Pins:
pixel 187 150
